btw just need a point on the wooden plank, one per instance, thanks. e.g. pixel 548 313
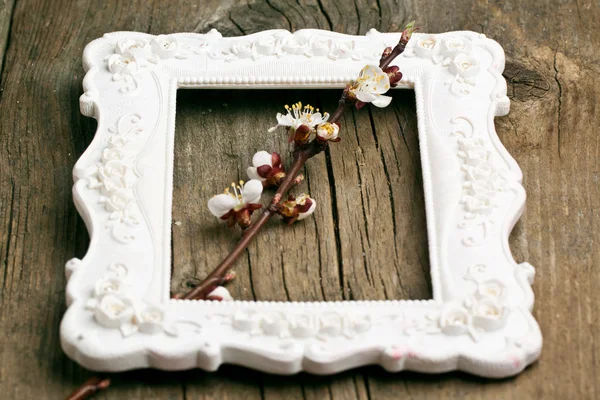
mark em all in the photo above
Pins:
pixel 41 135
pixel 552 71
pixel 6 10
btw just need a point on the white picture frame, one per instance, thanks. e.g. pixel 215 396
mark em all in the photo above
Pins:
pixel 120 315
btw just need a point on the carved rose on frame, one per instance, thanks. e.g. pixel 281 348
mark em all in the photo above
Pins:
pixel 134 54
pixel 120 313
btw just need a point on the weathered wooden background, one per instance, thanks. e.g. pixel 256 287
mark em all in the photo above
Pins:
pixel 367 239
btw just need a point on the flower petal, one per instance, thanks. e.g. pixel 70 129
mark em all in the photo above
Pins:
pixel 381 83
pixel 221 204
pixel 372 79
pixel 253 174
pixel 220 293
pixel 365 97
pixel 264 171
pixel 251 191
pixel 366 72
pixel 275 160
pixel 309 211
pixel 318 118
pixel 382 101
pixel 262 158
pixel 285 120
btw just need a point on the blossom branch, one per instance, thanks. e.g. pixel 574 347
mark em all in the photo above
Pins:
pixel 372 82
pixel 216 277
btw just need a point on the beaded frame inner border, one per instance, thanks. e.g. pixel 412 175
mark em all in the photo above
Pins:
pixel 120 315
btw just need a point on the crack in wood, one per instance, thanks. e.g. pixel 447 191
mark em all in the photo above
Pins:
pixel 559 111
pixel 318 237
pixel 8 236
pixel 336 221
pixel 327 17
pixel 290 25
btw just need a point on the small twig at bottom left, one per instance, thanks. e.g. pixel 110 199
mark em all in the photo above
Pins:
pixel 89 387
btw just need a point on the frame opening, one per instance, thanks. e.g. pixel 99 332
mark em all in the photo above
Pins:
pixel 367 239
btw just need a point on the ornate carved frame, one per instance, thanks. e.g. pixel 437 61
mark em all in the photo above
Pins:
pixel 120 315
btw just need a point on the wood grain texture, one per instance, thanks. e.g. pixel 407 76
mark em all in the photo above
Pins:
pixel 367 239
pixel 6 11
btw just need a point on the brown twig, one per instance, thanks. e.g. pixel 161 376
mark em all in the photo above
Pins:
pixel 301 155
pixel 89 387
pixel 396 51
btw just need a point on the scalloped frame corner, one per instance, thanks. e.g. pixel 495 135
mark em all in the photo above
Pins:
pixel 120 315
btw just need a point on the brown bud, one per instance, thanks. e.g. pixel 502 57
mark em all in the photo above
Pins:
pixel 243 218
pixel 386 53
pixel 229 277
pixel 394 74
pixel 407 32
pixel 301 135
pixel 276 178
pixel 359 104
pixel 298 180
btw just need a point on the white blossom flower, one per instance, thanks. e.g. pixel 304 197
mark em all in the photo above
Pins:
pixel 165 46
pixel 220 293
pixel 298 115
pixel 241 196
pixel 237 205
pixel 267 168
pixel 306 206
pixel 370 85
pixel 328 132
pixel 297 208
pixel 113 311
